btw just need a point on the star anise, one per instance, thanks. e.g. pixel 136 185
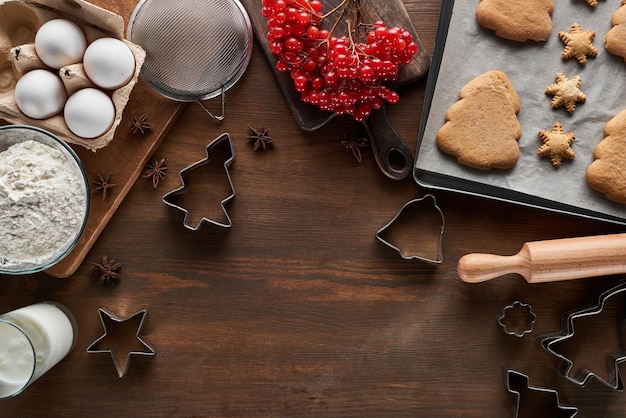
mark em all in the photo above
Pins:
pixel 156 169
pixel 140 124
pixel 260 138
pixel 103 185
pixel 106 270
pixel 355 144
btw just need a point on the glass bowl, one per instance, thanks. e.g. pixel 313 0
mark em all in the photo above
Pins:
pixel 44 199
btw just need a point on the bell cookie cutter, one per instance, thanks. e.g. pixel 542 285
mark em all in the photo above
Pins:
pixel 413 204
pixel 548 342
pixel 519 310
pixel 211 149
pixel 515 379
pixel 112 324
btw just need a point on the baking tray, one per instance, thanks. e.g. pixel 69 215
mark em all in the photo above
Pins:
pixel 464 50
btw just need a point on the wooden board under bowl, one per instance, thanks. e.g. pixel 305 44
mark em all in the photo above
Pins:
pixel 124 158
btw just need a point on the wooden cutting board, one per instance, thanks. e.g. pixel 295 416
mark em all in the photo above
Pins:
pixel 390 151
pixel 124 158
pixel 392 12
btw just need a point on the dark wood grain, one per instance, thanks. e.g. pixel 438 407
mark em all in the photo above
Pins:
pixel 297 310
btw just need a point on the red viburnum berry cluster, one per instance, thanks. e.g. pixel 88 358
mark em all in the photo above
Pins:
pixel 338 74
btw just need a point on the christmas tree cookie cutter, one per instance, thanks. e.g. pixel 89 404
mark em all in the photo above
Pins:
pixel 220 147
pixel 550 342
pixel 410 217
pixel 116 339
pixel 517 382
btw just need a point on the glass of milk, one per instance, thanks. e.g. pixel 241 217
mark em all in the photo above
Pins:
pixel 32 340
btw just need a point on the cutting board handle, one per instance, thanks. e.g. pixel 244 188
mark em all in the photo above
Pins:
pixel 390 151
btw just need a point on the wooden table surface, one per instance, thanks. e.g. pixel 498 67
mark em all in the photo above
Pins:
pixel 298 310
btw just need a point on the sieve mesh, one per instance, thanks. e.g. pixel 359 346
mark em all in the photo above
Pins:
pixel 195 49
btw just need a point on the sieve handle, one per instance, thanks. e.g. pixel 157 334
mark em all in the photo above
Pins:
pixel 390 151
pixel 213 115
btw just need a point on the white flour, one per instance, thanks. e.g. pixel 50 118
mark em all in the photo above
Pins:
pixel 42 203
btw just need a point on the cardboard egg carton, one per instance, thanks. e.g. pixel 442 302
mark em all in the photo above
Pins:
pixel 19 22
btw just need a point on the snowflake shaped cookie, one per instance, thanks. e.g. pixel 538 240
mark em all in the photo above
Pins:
pixel 566 92
pixel 556 144
pixel 592 3
pixel 578 44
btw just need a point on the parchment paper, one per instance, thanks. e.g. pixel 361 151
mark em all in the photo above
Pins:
pixel 471 50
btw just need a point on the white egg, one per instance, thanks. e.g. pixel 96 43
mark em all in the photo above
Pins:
pixel 89 113
pixel 60 42
pixel 40 94
pixel 109 63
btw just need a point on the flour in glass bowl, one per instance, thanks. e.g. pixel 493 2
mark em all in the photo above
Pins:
pixel 42 204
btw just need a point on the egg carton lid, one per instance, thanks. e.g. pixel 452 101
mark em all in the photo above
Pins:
pixel 88 14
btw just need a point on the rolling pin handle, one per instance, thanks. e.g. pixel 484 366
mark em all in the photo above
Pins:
pixel 476 268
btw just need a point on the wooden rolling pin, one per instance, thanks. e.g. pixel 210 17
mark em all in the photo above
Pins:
pixel 551 260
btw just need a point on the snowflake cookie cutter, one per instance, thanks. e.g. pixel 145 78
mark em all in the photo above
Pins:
pixel 403 250
pixel 517 382
pixel 566 364
pixel 116 336
pixel 524 319
pixel 224 144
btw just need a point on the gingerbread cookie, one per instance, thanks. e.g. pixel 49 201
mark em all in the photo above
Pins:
pixel 615 39
pixel 566 92
pixel 517 20
pixel 556 144
pixel 606 174
pixel 482 129
pixel 578 44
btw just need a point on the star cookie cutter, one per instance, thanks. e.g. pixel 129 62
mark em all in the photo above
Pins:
pixel 515 380
pixel 548 342
pixel 404 215
pixel 524 319
pixel 217 145
pixel 116 336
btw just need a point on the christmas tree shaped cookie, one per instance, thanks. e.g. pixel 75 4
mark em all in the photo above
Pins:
pixel 482 128
pixel 606 174
pixel 519 20
pixel 615 39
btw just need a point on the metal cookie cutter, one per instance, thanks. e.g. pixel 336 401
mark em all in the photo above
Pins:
pixel 550 341
pixel 115 339
pixel 516 382
pixel 524 319
pixel 213 148
pixel 416 205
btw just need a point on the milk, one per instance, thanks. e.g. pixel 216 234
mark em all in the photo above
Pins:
pixel 32 340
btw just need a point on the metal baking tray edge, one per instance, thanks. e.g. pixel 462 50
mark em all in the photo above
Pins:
pixel 436 181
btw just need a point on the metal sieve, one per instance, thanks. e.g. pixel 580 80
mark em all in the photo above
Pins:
pixel 195 49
